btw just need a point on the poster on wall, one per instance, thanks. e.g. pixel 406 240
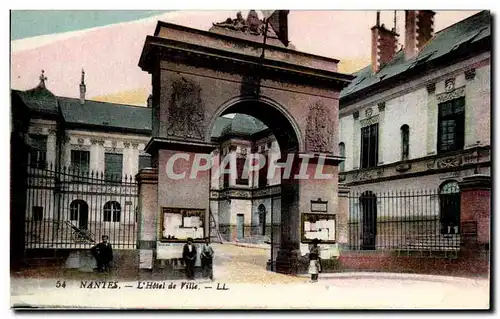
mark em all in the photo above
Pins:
pixel 179 224
pixel 318 226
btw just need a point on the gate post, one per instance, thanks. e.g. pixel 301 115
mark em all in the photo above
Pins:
pixel 475 211
pixel 342 217
pixel 147 180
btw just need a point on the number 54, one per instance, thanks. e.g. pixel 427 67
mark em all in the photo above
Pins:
pixel 60 284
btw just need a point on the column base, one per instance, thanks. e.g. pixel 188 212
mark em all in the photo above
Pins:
pixel 287 261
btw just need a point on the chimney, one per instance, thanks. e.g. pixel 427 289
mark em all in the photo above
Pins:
pixel 384 45
pixel 419 29
pixel 150 100
pixel 83 88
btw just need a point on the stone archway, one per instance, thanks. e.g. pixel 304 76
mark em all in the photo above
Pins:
pixel 198 76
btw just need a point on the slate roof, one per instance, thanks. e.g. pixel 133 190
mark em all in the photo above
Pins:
pixel 456 37
pixel 120 116
pixel 104 114
pixel 243 124
pixel 39 100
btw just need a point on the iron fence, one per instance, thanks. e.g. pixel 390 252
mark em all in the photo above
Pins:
pixel 71 208
pixel 412 220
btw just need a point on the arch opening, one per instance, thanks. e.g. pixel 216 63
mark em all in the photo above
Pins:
pixel 449 207
pixel 272 116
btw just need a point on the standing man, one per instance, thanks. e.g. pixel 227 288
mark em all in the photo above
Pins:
pixel 207 255
pixel 189 256
pixel 103 254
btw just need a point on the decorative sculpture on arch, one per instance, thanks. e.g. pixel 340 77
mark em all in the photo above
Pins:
pixel 252 24
pixel 319 129
pixel 186 113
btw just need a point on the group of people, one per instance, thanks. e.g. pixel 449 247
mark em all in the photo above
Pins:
pixel 189 254
pixel 103 254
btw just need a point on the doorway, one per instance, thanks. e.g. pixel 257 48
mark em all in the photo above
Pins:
pixel 449 204
pixel 368 202
pixel 240 225
pixel 262 219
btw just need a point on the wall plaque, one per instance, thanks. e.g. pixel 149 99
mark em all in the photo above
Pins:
pixel 319 206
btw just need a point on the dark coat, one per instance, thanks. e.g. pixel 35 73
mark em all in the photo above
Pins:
pixel 103 252
pixel 189 255
pixel 314 253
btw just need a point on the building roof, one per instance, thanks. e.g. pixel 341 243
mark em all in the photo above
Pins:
pixel 39 100
pixel 104 114
pixel 445 42
pixel 120 116
pixel 243 124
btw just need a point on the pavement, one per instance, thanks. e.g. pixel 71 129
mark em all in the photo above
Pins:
pixel 241 281
pixel 249 245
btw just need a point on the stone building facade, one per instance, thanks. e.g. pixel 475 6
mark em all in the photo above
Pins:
pixel 420 120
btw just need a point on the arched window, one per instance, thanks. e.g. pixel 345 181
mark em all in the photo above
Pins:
pixel 449 204
pixel 76 208
pixel 112 211
pixel 79 211
pixel 342 154
pixel 405 142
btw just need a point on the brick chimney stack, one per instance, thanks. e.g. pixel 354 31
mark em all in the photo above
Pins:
pixel 419 29
pixel 384 45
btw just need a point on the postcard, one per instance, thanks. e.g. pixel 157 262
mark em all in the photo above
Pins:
pixel 253 159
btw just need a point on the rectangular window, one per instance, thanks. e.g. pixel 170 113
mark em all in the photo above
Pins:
pixel 240 166
pixel 80 162
pixel 225 175
pixel 342 154
pixel 451 122
pixel 113 166
pixel 37 213
pixel 263 174
pixel 38 151
pixel 144 161
pixel 369 146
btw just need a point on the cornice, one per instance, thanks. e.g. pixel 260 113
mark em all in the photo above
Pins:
pixel 434 164
pixel 216 58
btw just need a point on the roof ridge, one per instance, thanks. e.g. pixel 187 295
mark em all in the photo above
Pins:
pixel 102 102
pixel 462 21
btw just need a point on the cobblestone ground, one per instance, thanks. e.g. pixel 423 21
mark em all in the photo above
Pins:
pixel 246 265
pixel 241 272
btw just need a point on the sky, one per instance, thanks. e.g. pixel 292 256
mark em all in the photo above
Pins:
pixel 108 44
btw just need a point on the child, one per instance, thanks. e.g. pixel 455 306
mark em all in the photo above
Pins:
pixel 314 267
pixel 314 260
